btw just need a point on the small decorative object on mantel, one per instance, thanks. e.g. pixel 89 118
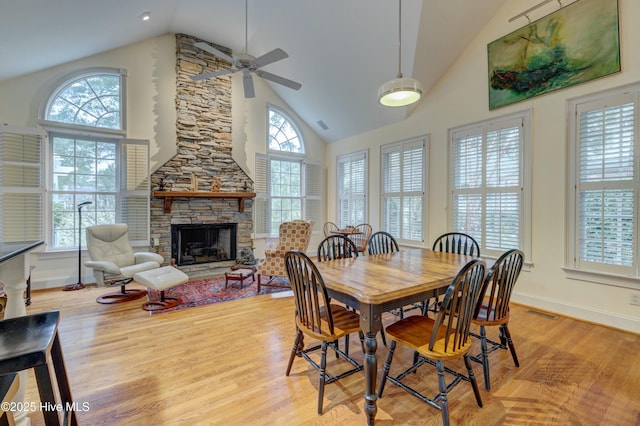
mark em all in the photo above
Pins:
pixel 161 185
pixel 215 184
pixel 194 182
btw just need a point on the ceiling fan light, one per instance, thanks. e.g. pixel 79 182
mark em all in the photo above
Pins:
pixel 400 92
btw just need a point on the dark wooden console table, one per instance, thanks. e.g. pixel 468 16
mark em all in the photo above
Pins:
pixel 170 195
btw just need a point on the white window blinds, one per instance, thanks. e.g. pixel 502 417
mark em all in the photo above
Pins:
pixel 352 189
pixel 607 184
pixel 134 192
pixel 488 184
pixel 21 184
pixel 403 194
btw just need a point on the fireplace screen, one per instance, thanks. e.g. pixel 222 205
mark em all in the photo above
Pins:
pixel 204 243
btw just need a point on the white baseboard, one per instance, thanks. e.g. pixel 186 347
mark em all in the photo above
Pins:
pixel 610 319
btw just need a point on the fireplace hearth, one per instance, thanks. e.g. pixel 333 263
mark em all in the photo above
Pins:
pixel 203 243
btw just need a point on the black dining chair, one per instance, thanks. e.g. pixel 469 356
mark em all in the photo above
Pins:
pixel 445 338
pixel 451 242
pixel 493 308
pixel 318 318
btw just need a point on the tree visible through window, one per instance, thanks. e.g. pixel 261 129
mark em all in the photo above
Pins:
pixel 287 185
pixel 95 165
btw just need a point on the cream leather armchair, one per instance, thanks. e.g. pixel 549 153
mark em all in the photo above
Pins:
pixel 114 262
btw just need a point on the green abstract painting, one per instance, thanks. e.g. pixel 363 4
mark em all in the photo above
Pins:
pixel 575 44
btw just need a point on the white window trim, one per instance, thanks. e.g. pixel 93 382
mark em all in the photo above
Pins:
pixel 525 231
pixel 342 158
pixel 425 185
pixel 571 268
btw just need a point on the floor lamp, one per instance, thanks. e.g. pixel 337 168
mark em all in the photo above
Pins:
pixel 79 284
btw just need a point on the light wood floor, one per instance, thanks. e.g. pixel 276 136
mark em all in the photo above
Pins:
pixel 225 363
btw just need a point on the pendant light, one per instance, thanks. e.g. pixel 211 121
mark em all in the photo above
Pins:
pixel 401 91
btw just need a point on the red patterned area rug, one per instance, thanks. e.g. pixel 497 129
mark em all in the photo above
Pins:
pixel 205 291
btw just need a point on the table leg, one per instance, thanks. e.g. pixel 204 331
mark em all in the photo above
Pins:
pixel 371 323
pixel 13 276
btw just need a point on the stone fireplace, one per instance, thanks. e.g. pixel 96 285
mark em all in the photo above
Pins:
pixel 203 159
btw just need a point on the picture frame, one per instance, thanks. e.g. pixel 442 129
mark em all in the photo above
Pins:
pixel 575 44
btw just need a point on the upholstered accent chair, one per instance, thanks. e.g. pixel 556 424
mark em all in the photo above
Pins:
pixel 294 235
pixel 114 262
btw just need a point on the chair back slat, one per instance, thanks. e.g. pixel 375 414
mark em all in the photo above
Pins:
pixel 310 294
pixel 336 247
pixel 498 286
pixel 457 242
pixel 453 321
pixel 382 242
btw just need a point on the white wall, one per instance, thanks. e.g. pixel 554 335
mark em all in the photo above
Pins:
pixel 151 115
pixel 461 97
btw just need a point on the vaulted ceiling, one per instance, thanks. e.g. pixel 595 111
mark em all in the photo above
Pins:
pixel 341 51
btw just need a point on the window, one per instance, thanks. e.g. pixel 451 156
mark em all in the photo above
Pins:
pixel 287 185
pixel 403 190
pixel 352 189
pixel 603 214
pixel 489 182
pixel 21 184
pixel 89 160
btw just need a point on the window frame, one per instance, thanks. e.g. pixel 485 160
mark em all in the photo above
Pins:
pixel 127 199
pixel 602 273
pixel 351 198
pixel 310 182
pixel 402 146
pixel 523 118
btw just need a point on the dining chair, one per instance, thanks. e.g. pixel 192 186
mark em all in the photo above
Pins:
pixel 451 242
pixel 493 308
pixel 361 237
pixel 445 338
pixel 457 242
pixel 382 242
pixel 336 247
pixel 318 318
pixel 329 228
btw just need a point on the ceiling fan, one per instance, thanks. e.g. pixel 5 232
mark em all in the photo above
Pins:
pixel 248 64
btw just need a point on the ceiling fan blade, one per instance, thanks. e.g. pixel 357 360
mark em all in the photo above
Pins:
pixel 212 74
pixel 216 52
pixel 247 82
pixel 269 58
pixel 280 80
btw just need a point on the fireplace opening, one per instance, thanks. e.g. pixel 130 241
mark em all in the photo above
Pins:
pixel 203 243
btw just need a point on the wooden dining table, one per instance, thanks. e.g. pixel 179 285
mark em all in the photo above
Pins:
pixel 380 283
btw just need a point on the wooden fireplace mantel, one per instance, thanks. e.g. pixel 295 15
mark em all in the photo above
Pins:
pixel 170 195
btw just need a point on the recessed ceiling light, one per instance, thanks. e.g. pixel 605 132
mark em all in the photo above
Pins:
pixel 146 16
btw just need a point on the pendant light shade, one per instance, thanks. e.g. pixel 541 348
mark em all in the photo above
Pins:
pixel 401 91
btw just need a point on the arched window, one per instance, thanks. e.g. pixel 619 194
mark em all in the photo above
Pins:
pixel 90 161
pixel 283 134
pixel 94 100
pixel 287 185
